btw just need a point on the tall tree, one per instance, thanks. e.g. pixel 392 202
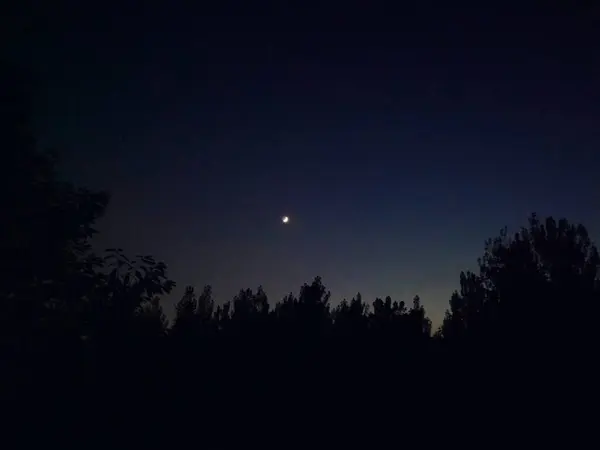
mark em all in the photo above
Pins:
pixel 46 229
pixel 185 313
pixel 151 320
pixel 526 283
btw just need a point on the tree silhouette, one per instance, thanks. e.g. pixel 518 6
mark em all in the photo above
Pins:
pixel 68 316
pixel 125 287
pixel 351 318
pixel 205 308
pixel 196 320
pixel 150 319
pixel 248 306
pixel 185 313
pixel 45 254
pixel 525 285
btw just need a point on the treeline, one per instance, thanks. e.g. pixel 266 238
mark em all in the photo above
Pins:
pixel 85 339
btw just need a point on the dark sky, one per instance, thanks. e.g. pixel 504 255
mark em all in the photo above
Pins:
pixel 396 140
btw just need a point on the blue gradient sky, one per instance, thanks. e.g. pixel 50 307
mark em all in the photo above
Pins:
pixel 395 152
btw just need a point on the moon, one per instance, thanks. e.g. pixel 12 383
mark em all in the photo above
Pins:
pixel 285 219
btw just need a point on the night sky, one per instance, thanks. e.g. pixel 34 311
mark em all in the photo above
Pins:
pixel 396 140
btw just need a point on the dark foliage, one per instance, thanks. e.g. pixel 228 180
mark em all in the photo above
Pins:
pixel 87 350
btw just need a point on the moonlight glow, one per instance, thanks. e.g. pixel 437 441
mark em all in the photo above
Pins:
pixel 285 219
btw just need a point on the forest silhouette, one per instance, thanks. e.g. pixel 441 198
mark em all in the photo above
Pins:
pixel 87 350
